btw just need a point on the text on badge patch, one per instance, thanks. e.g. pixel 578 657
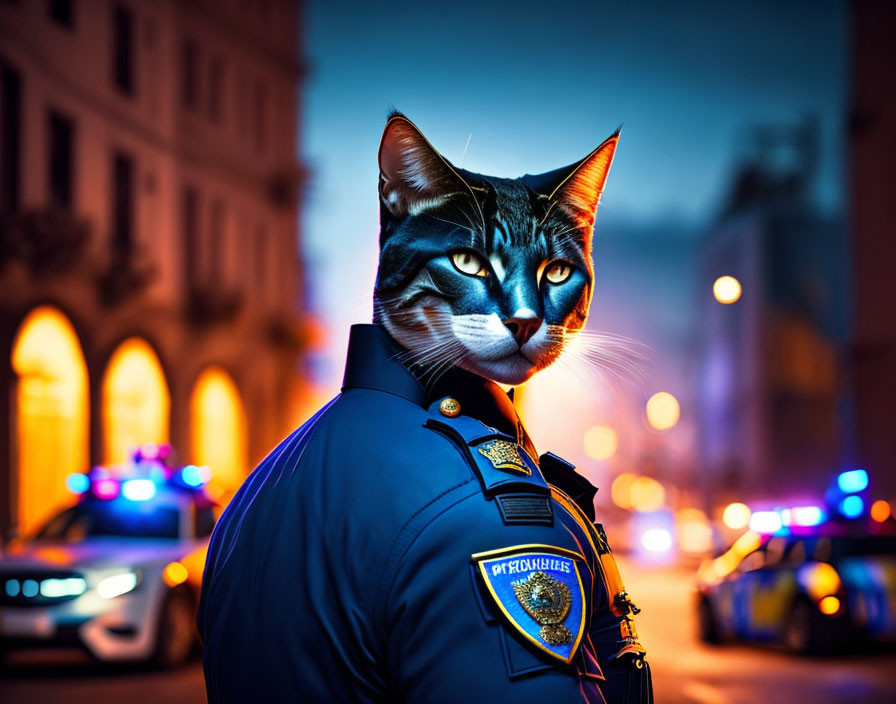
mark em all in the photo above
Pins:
pixel 539 590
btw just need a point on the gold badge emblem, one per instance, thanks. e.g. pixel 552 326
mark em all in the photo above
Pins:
pixel 450 407
pixel 504 455
pixel 547 601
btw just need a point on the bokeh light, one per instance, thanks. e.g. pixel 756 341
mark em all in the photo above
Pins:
pixel 727 290
pixel 736 515
pixel 77 483
pixel 174 573
pixel 852 506
pixel 829 605
pixel 600 442
pixel 663 410
pixel 765 522
pixel 138 489
pixel 647 495
pixel 621 490
pixel 880 510
pixel 642 494
pixel 656 540
pixel 852 481
pixel 693 531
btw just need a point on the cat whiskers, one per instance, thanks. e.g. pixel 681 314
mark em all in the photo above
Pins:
pixel 609 356
pixel 440 352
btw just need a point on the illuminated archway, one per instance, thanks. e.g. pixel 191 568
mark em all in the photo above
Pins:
pixel 51 413
pixel 136 402
pixel 218 428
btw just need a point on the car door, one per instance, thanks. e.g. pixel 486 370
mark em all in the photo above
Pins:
pixel 776 586
pixel 743 585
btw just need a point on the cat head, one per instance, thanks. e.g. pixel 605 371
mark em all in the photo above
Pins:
pixel 489 274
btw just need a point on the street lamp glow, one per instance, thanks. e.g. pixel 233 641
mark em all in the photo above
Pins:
pixel 726 289
pixel 736 516
pixel 647 495
pixel 663 410
pixel 621 489
pixel 600 442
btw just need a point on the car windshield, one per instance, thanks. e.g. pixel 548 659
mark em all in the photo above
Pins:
pixel 864 546
pixel 111 518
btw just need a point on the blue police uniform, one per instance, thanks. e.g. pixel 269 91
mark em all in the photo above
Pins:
pixel 408 545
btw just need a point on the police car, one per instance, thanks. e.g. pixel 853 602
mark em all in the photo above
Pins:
pixel 805 582
pixel 118 573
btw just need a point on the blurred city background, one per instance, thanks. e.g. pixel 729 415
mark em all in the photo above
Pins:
pixel 188 227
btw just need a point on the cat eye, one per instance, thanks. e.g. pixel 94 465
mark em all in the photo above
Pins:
pixel 557 272
pixel 469 263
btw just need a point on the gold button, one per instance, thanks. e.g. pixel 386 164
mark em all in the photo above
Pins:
pixel 450 407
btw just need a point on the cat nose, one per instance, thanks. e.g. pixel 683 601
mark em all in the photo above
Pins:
pixel 522 327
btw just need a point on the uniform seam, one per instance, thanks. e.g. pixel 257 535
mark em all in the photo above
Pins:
pixel 390 559
pixel 427 525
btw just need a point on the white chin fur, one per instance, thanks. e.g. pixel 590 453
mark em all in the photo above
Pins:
pixel 512 370
pixel 482 343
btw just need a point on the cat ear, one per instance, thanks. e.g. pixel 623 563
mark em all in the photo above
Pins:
pixel 413 175
pixel 579 192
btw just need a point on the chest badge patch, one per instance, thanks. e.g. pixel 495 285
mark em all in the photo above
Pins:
pixel 539 590
pixel 505 455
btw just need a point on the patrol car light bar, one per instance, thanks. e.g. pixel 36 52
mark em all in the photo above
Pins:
pixel 139 480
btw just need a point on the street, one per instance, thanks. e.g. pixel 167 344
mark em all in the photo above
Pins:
pixel 685 672
pixel 688 672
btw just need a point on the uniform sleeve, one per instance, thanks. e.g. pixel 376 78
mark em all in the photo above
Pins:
pixel 443 641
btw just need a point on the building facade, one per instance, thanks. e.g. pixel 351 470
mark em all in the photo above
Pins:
pixel 872 142
pixel 772 383
pixel 150 287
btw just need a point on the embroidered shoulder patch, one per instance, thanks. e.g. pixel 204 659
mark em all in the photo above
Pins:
pixel 539 590
pixel 504 455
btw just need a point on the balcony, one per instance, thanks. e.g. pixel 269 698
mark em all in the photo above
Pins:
pixel 128 272
pixel 47 240
pixel 210 304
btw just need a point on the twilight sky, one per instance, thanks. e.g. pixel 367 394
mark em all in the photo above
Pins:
pixel 537 85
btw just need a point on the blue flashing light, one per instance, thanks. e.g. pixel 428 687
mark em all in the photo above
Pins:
pixel 852 506
pixel 138 489
pixel 852 481
pixel 195 476
pixel 191 475
pixel 77 483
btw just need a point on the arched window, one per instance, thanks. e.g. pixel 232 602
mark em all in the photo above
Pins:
pixel 51 413
pixel 218 428
pixel 136 402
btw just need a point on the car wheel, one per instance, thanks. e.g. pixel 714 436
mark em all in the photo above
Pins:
pixel 804 634
pixel 708 628
pixel 176 632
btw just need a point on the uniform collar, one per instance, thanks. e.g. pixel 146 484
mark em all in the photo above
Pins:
pixel 374 362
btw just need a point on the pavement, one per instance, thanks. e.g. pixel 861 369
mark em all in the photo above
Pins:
pixel 685 671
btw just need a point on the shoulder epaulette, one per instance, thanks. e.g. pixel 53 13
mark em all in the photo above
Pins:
pixel 507 474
